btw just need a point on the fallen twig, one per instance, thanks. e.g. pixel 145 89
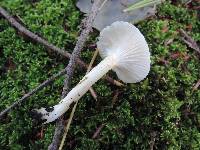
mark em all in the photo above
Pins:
pixel 26 96
pixel 87 28
pixel 196 85
pixel 98 130
pixel 93 93
pixel 115 97
pixel 48 45
pixel 67 127
pixel 30 34
pixel 153 138
pixel 45 43
pixel 38 88
pixel 74 108
pixel 189 41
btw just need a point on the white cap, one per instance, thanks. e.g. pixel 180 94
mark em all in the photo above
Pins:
pixel 124 41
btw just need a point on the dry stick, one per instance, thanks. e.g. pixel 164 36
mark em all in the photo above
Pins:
pixel 30 34
pixel 98 130
pixel 115 97
pixel 74 108
pixel 189 41
pixel 87 28
pixel 26 96
pixel 33 36
pixel 45 43
pixel 67 127
pixel 196 85
pixel 89 68
pixel 152 142
pixel 70 68
pixel 91 91
pixel 48 45
pixel 38 88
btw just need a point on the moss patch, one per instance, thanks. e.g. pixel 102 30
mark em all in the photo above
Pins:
pixel 161 111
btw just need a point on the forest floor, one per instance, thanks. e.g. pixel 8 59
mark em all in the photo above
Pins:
pixel 161 112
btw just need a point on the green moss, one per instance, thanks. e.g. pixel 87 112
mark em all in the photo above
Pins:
pixel 163 109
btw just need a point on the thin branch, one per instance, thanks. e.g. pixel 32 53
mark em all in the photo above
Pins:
pixel 67 127
pixel 26 96
pixel 115 97
pixel 93 93
pixel 38 88
pixel 153 138
pixel 87 28
pixel 189 41
pixel 74 108
pixel 98 130
pixel 196 85
pixel 30 34
pixel 45 43
pixel 92 61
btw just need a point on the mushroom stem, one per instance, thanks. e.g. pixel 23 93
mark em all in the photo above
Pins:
pixel 50 114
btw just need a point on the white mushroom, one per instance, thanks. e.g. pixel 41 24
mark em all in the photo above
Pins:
pixel 124 50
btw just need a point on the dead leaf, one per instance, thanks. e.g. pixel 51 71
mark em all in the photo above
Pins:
pixel 113 11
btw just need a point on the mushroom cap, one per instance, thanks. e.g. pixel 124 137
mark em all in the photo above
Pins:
pixel 127 44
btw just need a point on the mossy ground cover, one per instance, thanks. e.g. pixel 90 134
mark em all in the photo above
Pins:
pixel 162 111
